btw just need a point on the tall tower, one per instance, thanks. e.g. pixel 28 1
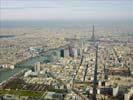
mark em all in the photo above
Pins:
pixel 37 67
pixel 71 54
pixel 93 35
pixel 66 52
pixel 62 53
pixel 75 52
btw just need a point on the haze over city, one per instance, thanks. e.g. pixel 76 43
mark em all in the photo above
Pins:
pixel 66 10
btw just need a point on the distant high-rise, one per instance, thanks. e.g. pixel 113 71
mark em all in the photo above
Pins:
pixel 75 52
pixel 93 34
pixel 71 51
pixel 79 51
pixel 66 52
pixel 37 67
pixel 62 53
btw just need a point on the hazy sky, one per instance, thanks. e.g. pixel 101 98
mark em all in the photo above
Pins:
pixel 66 9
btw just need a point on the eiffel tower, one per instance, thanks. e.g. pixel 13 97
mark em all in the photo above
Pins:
pixel 93 35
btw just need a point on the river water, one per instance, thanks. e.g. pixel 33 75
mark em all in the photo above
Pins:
pixel 7 73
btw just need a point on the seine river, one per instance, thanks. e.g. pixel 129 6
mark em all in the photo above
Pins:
pixel 7 73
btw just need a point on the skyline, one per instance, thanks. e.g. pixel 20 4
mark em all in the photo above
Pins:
pixel 118 10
